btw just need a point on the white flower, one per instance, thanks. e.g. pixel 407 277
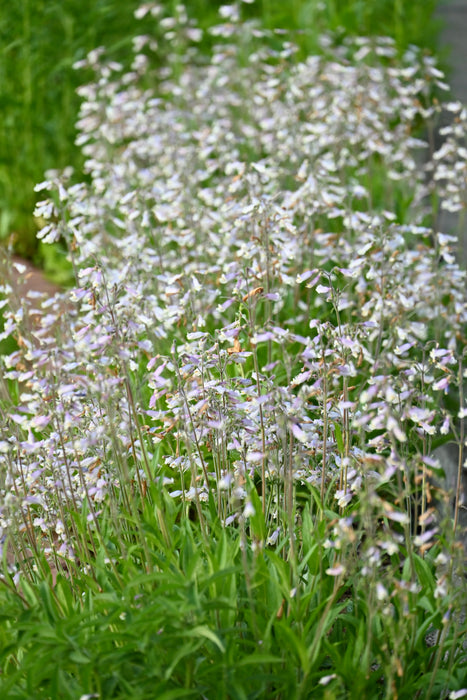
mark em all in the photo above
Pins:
pixel 249 510
pixel 381 592
pixel 335 570
pixel 325 680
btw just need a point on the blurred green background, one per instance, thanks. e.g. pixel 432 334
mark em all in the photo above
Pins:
pixel 41 39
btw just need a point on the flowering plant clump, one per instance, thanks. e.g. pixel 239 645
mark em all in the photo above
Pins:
pixel 263 320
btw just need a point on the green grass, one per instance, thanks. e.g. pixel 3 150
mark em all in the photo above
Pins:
pixel 189 611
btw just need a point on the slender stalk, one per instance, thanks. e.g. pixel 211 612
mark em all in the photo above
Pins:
pixel 461 444
pixel 325 427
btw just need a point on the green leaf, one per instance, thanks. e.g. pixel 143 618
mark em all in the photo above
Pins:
pixel 295 644
pixel 425 575
pixel 79 657
pixel 204 631
pixel 257 522
pixel 184 651
pixel 257 659
pixel 339 440
pixel 177 693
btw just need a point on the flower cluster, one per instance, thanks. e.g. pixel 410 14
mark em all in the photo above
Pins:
pixel 259 295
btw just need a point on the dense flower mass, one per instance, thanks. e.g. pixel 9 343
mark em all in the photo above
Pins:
pixel 261 303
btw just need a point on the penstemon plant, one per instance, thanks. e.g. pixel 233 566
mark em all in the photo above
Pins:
pixel 263 349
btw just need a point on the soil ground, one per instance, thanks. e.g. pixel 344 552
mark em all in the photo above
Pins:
pixel 35 280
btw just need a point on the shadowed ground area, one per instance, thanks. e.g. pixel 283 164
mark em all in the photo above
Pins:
pixel 454 38
pixel 34 278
